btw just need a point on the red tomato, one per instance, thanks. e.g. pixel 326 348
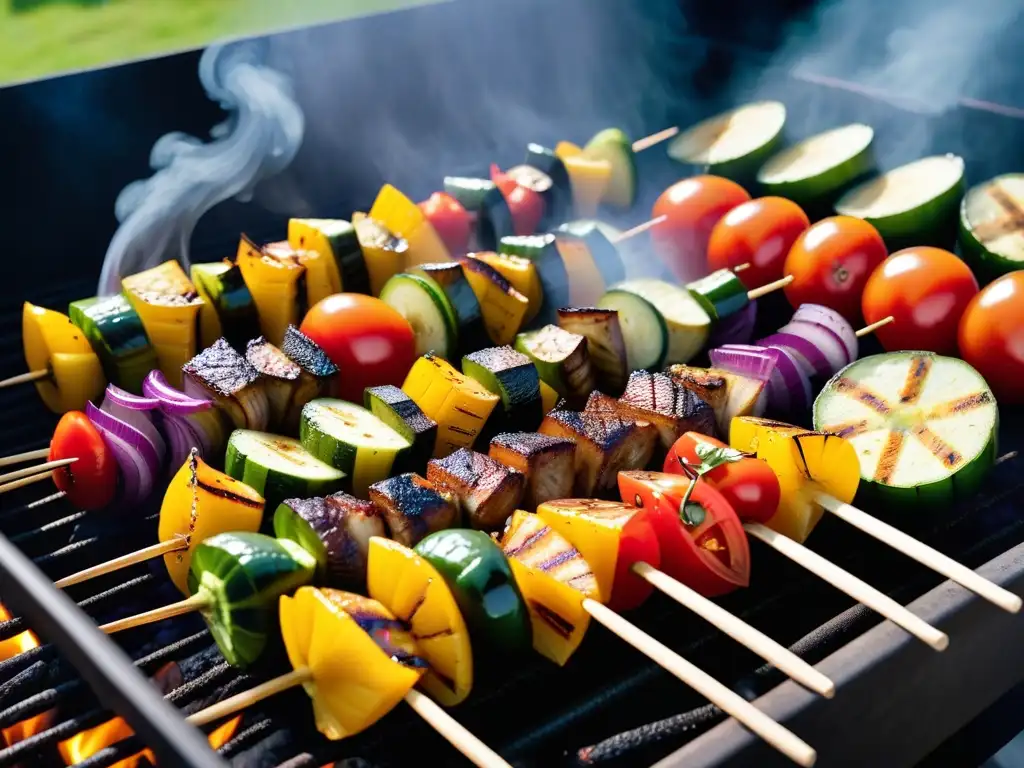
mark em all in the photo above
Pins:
pixel 758 233
pixel 749 485
pixel 831 262
pixel 638 543
pixel 449 219
pixel 692 208
pixel 711 555
pixel 525 204
pixel 368 340
pixel 991 336
pixel 925 290
pixel 90 482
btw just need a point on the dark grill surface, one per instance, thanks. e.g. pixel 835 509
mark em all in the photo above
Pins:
pixel 609 706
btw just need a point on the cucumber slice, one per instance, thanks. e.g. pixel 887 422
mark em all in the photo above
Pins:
pixel 733 144
pixel 512 376
pixel 614 145
pixel 396 409
pixel 424 304
pixel 992 226
pixel 721 293
pixel 471 332
pixel 924 426
pixel 561 359
pixel 686 323
pixel 117 336
pixel 352 440
pixel 643 328
pixel 915 204
pixel 278 467
pixel 817 169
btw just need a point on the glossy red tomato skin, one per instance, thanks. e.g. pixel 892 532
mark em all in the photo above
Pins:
pixel 638 543
pixel 369 341
pixel 991 336
pixel 682 556
pixel 525 204
pixel 450 220
pixel 692 207
pixel 831 262
pixel 749 485
pixel 758 233
pixel 926 291
pixel 91 481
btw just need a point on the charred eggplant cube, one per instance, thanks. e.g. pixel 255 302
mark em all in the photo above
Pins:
pixel 545 461
pixel 221 373
pixel 487 490
pixel 672 409
pixel 413 507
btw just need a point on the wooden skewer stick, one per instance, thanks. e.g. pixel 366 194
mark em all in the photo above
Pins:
pixel 25 378
pixel 176 544
pixel 190 604
pixel 846 582
pixel 921 552
pixel 50 465
pixel 234 704
pixel 16 484
pixel 764 290
pixel 740 267
pixel 730 702
pixel 655 138
pixel 19 458
pixel 758 642
pixel 875 326
pixel 638 229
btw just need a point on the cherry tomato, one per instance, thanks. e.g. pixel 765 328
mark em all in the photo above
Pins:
pixel 368 340
pixel 831 262
pixel 758 233
pixel 991 336
pixel 449 219
pixel 708 552
pixel 925 290
pixel 638 543
pixel 525 204
pixel 91 481
pixel 749 485
pixel 692 208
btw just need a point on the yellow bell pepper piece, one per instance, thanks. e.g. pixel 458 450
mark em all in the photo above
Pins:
pixel 554 579
pixel 504 308
pixel 323 278
pixel 53 343
pixel 383 253
pixel 168 305
pixel 355 682
pixel 413 590
pixel 588 177
pixel 521 274
pixel 404 218
pixel 548 397
pixel 318 278
pixel 201 502
pixel 586 283
pixel 458 404
pixel 274 285
pixel 807 463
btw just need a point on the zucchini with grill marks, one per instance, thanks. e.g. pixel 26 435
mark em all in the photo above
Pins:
pixel 396 409
pixel 545 461
pixel 487 490
pixel 116 333
pixel 561 359
pixel 672 409
pixel 220 373
pixel 602 252
pixel 521 274
pixel 512 376
pixel 413 507
pixel 605 344
pixel 337 243
pixel 228 309
pixel 504 308
pixel 545 160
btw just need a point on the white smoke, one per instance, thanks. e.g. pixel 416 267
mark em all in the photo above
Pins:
pixel 259 139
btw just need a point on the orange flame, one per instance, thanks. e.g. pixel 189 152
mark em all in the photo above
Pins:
pixel 10 648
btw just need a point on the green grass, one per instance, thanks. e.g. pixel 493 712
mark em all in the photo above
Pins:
pixel 58 37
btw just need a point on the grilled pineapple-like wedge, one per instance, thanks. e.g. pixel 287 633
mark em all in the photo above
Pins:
pixel 554 580
pixel 413 507
pixel 487 490
pixel 545 461
pixel 672 409
pixel 403 217
pixel 220 373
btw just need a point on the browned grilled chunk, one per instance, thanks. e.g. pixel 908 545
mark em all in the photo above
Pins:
pixel 546 461
pixel 413 507
pixel 487 491
pixel 599 402
pixel 671 408
pixel 281 378
pixel 223 375
pixel 605 344
pixel 709 386
pixel 605 444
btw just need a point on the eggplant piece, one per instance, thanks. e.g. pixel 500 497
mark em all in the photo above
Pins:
pixel 606 443
pixel 599 402
pixel 672 409
pixel 396 409
pixel 318 370
pixel 336 531
pixel 488 492
pixel 605 343
pixel 413 507
pixel 545 461
pixel 513 377
pixel 280 378
pixel 709 386
pixel 561 358
pixel 220 373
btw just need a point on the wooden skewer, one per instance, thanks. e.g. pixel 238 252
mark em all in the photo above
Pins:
pixel 921 552
pixel 176 544
pixel 234 704
pixel 784 740
pixel 638 229
pixel 655 138
pixel 846 582
pixel 18 458
pixel 875 326
pixel 16 484
pixel 740 267
pixel 50 465
pixel 25 378
pixel 764 290
pixel 190 604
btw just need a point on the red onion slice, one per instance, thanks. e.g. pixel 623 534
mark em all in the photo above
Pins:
pixel 791 390
pixel 136 456
pixel 829 318
pixel 825 340
pixel 142 420
pixel 746 360
pixel 811 359
pixel 128 401
pixel 737 328
pixel 172 401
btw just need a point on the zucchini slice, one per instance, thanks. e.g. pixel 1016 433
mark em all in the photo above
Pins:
pixel 338 244
pixel 615 147
pixel 228 308
pixel 223 375
pixel 504 308
pixel 543 252
pixel 545 461
pixel 413 507
pixel 424 304
pixel 813 172
pixel 672 409
pixel 924 426
pixel 512 376
pixel 383 251
pixel 721 293
pixel 733 144
pixel 487 491
pixel 404 218
pixel 643 329
pixel 603 252
pixel 915 204
pixel 352 440
pixel 605 344
pixel 282 380
pixel 992 226
pixel 278 467
pixel 546 161
pixel 471 333
pixel 118 337
pixel 561 359
pixel 396 409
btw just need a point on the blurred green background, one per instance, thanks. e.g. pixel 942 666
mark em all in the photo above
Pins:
pixel 44 37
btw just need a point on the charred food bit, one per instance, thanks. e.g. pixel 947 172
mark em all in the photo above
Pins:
pixel 545 461
pixel 396 409
pixel 673 409
pixel 413 507
pixel 222 374
pixel 317 368
pixel 487 490
pixel 605 343
pixel 280 379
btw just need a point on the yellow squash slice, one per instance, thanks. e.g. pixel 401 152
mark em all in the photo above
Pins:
pixel 548 397
pixel 274 283
pixel 404 218
pixel 321 277
pixel 521 274
pixel 53 343
pixel 324 278
pixel 503 307
pixel 589 178
pixel 383 252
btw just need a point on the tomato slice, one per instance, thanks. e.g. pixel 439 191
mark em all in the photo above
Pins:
pixel 91 481
pixel 709 552
pixel 749 484
pixel 526 205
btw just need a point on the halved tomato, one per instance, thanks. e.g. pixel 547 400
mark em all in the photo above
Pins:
pixel 91 481
pixel 703 545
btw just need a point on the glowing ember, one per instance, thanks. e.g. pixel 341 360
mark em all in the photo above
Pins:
pixel 18 644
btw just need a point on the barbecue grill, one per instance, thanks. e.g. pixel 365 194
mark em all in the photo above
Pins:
pixel 74 141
